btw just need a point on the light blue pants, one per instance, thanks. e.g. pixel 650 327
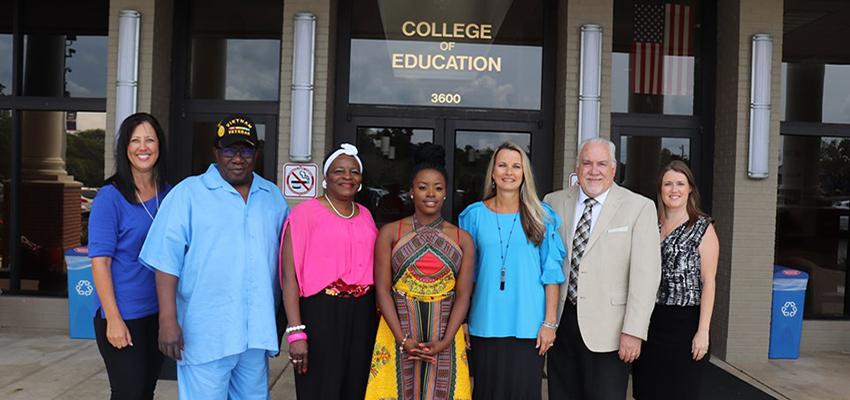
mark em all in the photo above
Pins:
pixel 237 377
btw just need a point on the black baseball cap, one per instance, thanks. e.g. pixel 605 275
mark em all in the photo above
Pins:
pixel 236 129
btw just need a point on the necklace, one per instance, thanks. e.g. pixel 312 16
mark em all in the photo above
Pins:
pixel 156 196
pixel 337 211
pixel 505 253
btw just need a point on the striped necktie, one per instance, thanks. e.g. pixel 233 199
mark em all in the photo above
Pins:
pixel 582 234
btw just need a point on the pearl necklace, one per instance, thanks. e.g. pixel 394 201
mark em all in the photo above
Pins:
pixel 349 216
pixel 156 196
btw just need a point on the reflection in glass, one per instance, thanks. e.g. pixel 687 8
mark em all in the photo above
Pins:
pixel 203 144
pixel 813 92
pixel 387 155
pixel 473 150
pixel 85 66
pixel 5 154
pixel 655 63
pixel 81 61
pixel 5 65
pixel 813 208
pixel 84 158
pixel 640 158
pixel 235 69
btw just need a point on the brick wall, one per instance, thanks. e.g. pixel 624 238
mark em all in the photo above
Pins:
pixel 745 209
pixel 154 86
pixel 325 12
pixel 572 14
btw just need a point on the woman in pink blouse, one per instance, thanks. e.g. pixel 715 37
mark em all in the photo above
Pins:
pixel 326 276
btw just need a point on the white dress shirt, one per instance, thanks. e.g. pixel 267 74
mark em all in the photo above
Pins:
pixel 594 214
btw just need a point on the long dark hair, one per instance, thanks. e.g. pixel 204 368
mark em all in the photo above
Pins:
pixel 123 177
pixel 693 206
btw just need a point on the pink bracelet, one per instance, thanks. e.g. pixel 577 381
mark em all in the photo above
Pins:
pixel 294 337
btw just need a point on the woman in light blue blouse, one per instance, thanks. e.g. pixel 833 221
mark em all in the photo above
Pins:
pixel 512 319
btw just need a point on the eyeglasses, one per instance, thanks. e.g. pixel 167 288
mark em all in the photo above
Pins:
pixel 247 153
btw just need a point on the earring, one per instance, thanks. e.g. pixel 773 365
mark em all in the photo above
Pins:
pixel 359 188
pixel 324 184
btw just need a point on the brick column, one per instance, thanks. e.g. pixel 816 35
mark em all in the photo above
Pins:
pixel 323 90
pixel 154 90
pixel 745 209
pixel 572 14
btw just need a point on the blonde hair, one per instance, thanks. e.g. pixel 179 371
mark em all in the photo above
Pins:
pixel 531 212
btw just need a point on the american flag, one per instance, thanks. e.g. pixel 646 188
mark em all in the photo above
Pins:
pixel 661 61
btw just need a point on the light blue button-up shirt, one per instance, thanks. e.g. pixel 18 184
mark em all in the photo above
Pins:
pixel 224 253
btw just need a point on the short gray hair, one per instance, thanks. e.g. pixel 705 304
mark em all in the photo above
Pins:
pixel 612 148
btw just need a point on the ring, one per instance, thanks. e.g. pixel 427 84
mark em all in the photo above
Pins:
pixel 296 361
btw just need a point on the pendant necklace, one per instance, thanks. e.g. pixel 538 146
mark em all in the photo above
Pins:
pixel 505 254
pixel 337 211
pixel 156 196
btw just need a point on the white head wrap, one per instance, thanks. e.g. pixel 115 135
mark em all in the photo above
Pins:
pixel 345 149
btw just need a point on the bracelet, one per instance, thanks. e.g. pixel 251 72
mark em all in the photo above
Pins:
pixel 296 337
pixel 401 345
pixel 551 325
pixel 294 328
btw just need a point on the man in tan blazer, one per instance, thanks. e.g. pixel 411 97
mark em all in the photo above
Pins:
pixel 613 270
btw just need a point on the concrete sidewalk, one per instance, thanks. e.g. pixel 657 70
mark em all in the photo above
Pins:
pixel 46 364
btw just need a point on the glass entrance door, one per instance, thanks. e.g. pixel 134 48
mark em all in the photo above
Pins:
pixel 194 150
pixel 387 146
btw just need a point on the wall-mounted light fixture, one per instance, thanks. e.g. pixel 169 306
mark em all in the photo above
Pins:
pixel 759 154
pixel 301 120
pixel 127 72
pixel 590 82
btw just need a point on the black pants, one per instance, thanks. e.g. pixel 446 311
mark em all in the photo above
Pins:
pixel 341 337
pixel 505 369
pixel 132 371
pixel 576 373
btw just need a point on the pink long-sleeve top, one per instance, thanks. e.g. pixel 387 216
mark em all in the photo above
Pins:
pixel 327 248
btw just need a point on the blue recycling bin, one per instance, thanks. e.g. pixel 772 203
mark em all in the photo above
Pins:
pixel 786 321
pixel 80 294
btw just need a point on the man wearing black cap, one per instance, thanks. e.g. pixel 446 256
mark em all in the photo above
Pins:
pixel 214 247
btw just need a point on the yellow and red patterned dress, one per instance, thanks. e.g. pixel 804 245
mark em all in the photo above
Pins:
pixel 425 263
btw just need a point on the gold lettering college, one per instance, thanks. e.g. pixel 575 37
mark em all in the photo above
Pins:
pixel 447 30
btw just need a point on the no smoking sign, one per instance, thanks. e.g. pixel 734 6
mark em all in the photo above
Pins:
pixel 299 180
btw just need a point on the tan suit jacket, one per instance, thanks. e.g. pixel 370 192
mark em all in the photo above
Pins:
pixel 621 268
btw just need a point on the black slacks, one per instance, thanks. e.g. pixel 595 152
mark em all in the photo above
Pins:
pixel 133 370
pixel 341 336
pixel 576 373
pixel 505 369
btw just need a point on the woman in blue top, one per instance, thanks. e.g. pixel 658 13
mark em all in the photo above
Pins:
pixel 512 319
pixel 127 322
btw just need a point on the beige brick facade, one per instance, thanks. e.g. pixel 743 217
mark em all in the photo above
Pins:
pixel 745 209
pixel 323 92
pixel 572 14
pixel 154 85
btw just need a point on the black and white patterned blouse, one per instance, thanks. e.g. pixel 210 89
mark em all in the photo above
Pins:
pixel 680 265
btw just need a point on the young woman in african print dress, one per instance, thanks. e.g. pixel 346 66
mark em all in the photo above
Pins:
pixel 423 281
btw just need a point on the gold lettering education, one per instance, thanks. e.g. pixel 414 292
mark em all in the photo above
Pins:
pixel 442 62
pixel 447 30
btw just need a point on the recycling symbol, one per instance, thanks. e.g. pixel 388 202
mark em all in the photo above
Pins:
pixel 84 288
pixel 789 309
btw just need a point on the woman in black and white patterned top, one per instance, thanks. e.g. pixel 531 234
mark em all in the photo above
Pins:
pixel 673 358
